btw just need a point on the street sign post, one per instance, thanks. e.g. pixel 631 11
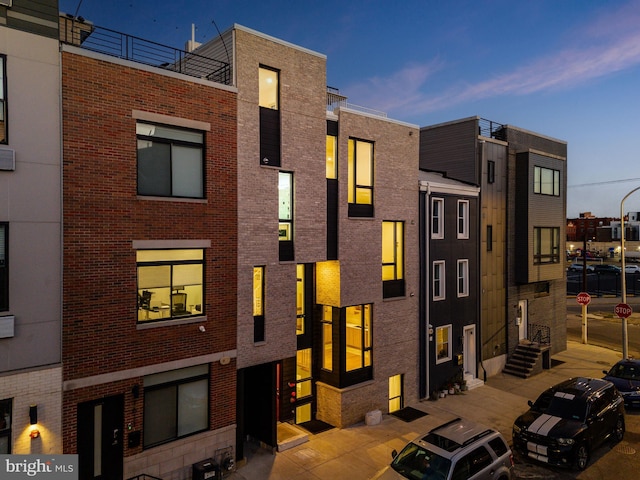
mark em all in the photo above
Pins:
pixel 622 310
pixel 583 298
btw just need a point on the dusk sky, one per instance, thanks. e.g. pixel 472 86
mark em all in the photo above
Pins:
pixel 567 69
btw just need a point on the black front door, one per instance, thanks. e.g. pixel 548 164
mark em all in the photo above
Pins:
pixel 99 436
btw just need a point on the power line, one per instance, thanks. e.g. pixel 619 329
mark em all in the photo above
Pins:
pixel 604 183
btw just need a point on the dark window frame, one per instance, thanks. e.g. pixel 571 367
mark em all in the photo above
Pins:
pixel 489 238
pixel 270 126
pixel 172 287
pixel 258 319
pixel 286 241
pixel 170 142
pixel 6 410
pixel 539 186
pixel 356 209
pixel 171 385
pixel 4 266
pixel 395 287
pixel 491 171
pixel 4 110
pixel 552 256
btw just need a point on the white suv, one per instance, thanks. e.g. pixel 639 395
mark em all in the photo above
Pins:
pixel 457 450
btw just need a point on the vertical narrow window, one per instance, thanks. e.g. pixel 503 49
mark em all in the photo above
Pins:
pixel 358 337
pixel 438 280
pixel 491 171
pixel 269 103
pixel 463 219
pixel 489 238
pixel 170 161
pixel 300 299
pixel 4 266
pixel 258 304
pixel 463 278
pixel 3 100
pixel 327 338
pixel 360 173
pixel 303 373
pixel 443 344
pixel 285 214
pixel 392 259
pixel 332 157
pixel 395 393
pixel 437 218
pixel 6 421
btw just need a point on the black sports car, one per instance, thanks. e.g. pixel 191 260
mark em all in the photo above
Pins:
pixel 568 421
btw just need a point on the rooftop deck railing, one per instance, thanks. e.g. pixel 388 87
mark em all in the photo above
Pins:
pixel 490 129
pixel 335 100
pixel 75 31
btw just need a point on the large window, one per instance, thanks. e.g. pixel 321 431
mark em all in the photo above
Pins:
pixel 443 344
pixel 546 181
pixel 4 266
pixel 5 426
pixel 358 337
pixel 176 404
pixel 170 161
pixel 438 280
pixel 437 218
pixel 360 173
pixel 463 278
pixel 170 284
pixel 258 304
pixel 392 259
pixel 546 245
pixel 285 214
pixel 269 103
pixel 3 99
pixel 463 219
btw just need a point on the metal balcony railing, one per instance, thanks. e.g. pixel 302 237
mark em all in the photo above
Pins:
pixel 540 334
pixel 335 100
pixel 76 31
pixel 490 129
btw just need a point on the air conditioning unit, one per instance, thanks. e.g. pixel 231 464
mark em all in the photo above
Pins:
pixel 5 3
pixel 7 157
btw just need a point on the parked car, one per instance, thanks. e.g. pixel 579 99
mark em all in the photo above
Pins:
pixel 455 450
pixel 568 421
pixel 632 268
pixel 606 268
pixel 578 267
pixel 625 375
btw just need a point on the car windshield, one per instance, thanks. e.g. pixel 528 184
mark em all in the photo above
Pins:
pixel 561 405
pixel 417 463
pixel 625 371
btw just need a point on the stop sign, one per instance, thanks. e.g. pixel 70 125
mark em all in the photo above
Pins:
pixel 583 298
pixel 622 310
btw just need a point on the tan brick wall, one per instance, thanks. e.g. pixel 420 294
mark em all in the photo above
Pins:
pixel 303 138
pixel 44 389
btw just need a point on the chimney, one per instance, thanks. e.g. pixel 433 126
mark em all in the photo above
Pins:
pixel 191 45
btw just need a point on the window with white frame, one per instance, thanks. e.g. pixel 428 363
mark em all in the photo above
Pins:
pixel 176 404
pixel 170 161
pixel 437 218
pixel 443 344
pixel 438 280
pixel 463 218
pixel 463 278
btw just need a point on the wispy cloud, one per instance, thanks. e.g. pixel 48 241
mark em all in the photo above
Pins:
pixel 610 44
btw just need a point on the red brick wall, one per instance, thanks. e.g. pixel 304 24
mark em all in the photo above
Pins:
pixel 102 216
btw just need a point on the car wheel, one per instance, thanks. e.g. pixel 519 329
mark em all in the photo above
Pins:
pixel 582 457
pixel 618 431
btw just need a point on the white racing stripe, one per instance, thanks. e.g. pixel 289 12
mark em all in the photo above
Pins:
pixel 543 424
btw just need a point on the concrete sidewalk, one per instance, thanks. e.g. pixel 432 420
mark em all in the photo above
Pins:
pixel 358 452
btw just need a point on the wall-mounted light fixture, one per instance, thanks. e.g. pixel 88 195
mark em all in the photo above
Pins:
pixel 33 420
